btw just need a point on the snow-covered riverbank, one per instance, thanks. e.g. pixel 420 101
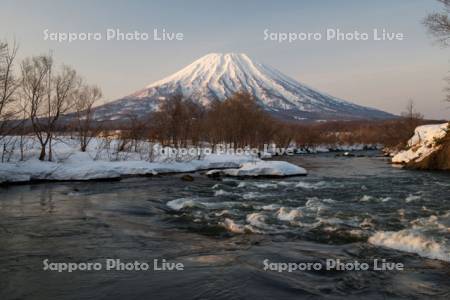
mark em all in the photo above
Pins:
pixel 80 166
pixel 101 162
pixel 427 149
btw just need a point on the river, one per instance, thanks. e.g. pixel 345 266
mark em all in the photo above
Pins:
pixel 222 231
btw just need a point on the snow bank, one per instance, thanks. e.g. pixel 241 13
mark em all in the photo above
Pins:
pixel 80 166
pixel 261 168
pixel 100 162
pixel 422 144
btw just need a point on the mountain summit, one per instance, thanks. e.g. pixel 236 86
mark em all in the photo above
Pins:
pixel 216 76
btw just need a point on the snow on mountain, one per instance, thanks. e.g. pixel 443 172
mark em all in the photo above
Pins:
pixel 215 76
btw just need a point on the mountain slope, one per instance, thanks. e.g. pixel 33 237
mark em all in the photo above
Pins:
pixel 215 77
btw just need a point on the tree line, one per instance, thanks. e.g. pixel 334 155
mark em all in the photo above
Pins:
pixel 239 122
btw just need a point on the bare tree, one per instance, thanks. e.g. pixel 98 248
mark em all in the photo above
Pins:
pixel 85 98
pixel 438 24
pixel 34 72
pixel 411 117
pixel 48 96
pixel 411 112
pixel 239 122
pixel 177 122
pixel 8 86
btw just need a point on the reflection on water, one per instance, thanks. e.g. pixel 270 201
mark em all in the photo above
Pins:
pixel 357 208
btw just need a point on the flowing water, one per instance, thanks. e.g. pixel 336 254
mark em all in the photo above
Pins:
pixel 222 231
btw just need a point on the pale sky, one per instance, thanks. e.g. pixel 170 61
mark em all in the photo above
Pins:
pixel 380 74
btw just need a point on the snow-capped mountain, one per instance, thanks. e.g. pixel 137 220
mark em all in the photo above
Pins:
pixel 214 77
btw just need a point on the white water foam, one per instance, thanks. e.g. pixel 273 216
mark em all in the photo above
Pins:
pixel 231 226
pixel 271 207
pixel 440 223
pixel 287 214
pixel 329 200
pixel 254 195
pixel 222 193
pixel 409 240
pixel 366 198
pixel 412 198
pixel 316 204
pixel 265 185
pixel 311 186
pixel 260 185
pixel 181 203
pixel 257 220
